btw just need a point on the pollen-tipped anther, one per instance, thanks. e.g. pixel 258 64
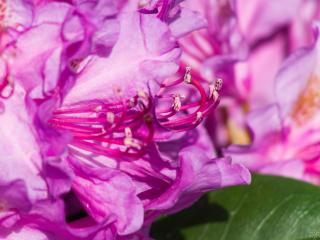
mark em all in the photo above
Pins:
pixel 214 89
pixel 110 117
pixel 176 102
pixel 187 76
pixel 199 117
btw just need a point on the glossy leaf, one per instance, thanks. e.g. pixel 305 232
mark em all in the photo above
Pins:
pixel 270 208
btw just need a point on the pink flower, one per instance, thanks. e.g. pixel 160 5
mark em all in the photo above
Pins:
pixel 272 34
pixel 114 148
pixel 285 133
pixel 107 107
pixel 60 35
pixel 21 219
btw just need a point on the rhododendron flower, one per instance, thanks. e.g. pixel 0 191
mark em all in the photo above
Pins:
pixel 246 40
pixel 61 35
pixel 107 108
pixel 113 148
pixel 272 34
pixel 285 133
pixel 45 219
pixel 213 50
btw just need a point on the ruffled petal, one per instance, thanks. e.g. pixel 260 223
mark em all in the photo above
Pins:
pixel 20 153
pixel 186 22
pixel 107 193
pixel 198 174
pixel 144 55
pixel 260 18
pixel 296 73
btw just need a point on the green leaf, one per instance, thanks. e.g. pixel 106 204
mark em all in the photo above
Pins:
pixel 271 208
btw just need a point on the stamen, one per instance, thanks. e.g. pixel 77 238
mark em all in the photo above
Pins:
pixel 218 84
pixel 128 132
pixel 110 117
pixel 199 116
pixel 129 141
pixel 187 76
pixel 186 115
pixel 214 89
pixel 98 108
pixel 117 130
pixel 176 102
pixel 143 94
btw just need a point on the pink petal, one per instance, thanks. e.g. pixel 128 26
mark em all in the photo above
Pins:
pixel 145 54
pixel 107 193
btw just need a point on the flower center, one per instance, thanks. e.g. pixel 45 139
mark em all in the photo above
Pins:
pixel 118 129
pixel 183 103
pixel 308 102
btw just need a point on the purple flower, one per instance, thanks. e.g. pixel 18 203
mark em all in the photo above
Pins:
pixel 213 51
pixel 272 34
pixel 61 35
pixel 285 140
pixel 261 18
pixel 241 39
pixel 21 219
pixel 106 107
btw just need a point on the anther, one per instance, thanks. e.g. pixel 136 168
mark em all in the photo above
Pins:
pixel 199 117
pixel 214 89
pixel 128 132
pixel 176 102
pixel 187 76
pixel 129 141
pixel 98 108
pixel 110 117
pixel 213 93
pixel 142 94
pixel 218 84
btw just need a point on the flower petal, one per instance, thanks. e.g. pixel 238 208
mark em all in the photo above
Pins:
pixel 198 174
pixel 145 52
pixel 107 193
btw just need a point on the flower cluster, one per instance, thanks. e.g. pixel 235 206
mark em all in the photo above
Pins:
pixel 277 130
pixel 103 114
pixel 116 112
